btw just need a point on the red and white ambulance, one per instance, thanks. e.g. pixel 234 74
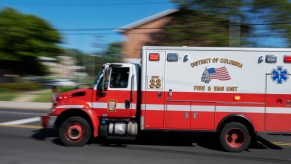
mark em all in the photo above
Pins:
pixel 236 92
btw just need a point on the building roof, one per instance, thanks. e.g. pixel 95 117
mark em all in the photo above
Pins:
pixel 146 20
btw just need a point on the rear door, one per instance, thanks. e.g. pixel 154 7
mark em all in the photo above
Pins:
pixel 278 110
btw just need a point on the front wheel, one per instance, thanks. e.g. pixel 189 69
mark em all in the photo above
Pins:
pixel 235 137
pixel 75 131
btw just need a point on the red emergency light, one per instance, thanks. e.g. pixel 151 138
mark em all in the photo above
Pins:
pixel 287 59
pixel 154 57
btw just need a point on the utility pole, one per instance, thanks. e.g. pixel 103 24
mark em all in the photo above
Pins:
pixel 234 33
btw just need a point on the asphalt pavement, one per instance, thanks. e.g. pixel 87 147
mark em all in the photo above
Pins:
pixel 23 140
pixel 25 105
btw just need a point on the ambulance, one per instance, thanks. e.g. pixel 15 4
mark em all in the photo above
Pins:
pixel 234 92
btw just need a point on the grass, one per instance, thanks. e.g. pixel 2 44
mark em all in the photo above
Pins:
pixel 8 95
pixel 10 91
pixel 47 95
pixel 44 97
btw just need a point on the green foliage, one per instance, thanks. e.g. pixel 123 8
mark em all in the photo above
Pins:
pixel 22 39
pixel 8 95
pixel 114 50
pixel 271 15
pixel 92 63
pixel 44 97
pixel 65 89
pixel 28 86
pixel 25 65
pixel 276 14
pixel 191 28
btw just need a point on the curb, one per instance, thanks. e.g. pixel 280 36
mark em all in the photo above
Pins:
pixel 25 105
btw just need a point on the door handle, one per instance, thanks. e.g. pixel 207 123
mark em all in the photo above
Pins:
pixel 159 94
pixel 288 103
pixel 195 115
pixel 170 93
pixel 127 104
pixel 186 115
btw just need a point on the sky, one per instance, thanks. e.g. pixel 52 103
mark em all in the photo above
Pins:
pixel 89 25
pixel 75 19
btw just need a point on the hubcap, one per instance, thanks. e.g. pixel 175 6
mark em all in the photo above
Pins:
pixel 75 132
pixel 235 138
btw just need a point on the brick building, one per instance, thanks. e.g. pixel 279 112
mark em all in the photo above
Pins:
pixel 142 33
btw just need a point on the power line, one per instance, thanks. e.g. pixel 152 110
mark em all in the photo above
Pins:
pixel 92 4
pixel 63 31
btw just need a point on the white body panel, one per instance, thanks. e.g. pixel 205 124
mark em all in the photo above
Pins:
pixel 246 76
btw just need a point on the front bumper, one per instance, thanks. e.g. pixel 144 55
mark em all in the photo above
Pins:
pixel 48 121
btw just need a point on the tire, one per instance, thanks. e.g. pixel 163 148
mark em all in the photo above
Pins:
pixel 234 137
pixel 75 131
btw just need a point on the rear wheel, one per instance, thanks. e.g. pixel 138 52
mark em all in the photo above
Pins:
pixel 75 131
pixel 235 137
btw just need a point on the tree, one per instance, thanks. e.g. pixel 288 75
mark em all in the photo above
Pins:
pixel 195 28
pixel 93 63
pixel 275 15
pixel 114 49
pixel 270 16
pixel 22 39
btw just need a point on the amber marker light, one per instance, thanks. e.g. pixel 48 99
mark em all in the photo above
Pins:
pixel 237 98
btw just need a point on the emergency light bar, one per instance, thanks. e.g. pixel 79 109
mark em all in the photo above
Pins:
pixel 287 59
pixel 154 57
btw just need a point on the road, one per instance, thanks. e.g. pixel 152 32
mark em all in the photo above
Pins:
pixel 23 141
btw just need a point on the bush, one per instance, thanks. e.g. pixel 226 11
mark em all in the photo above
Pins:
pixel 27 86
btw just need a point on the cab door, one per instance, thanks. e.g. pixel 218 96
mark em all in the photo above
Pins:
pixel 118 96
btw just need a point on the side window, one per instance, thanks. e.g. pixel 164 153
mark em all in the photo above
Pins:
pixel 100 85
pixel 119 77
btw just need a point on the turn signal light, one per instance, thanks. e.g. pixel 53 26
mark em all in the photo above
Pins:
pixel 154 57
pixel 287 59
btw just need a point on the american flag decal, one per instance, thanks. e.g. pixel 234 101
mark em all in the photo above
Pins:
pixel 219 73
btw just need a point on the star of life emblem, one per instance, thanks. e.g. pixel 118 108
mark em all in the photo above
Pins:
pixel 279 75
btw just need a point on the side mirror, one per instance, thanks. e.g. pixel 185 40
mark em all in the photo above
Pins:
pixel 102 87
pixel 105 86
pixel 101 94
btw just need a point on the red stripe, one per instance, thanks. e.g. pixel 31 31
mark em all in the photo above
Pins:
pixel 219 99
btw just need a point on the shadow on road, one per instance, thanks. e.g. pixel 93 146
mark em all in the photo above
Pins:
pixel 43 134
pixel 205 140
pixel 265 144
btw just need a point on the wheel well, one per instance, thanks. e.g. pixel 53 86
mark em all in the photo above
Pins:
pixel 237 118
pixel 71 113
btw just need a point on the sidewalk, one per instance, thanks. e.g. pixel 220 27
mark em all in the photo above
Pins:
pixel 25 101
pixel 25 105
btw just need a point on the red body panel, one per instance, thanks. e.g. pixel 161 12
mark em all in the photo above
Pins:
pixel 165 117
pixel 183 117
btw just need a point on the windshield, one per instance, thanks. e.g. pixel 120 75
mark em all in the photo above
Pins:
pixel 99 77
